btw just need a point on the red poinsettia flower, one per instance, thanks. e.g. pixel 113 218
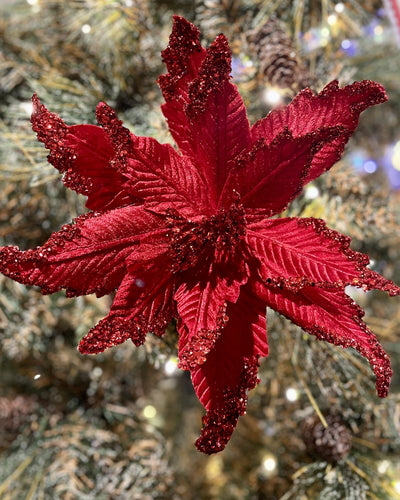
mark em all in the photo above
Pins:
pixel 191 234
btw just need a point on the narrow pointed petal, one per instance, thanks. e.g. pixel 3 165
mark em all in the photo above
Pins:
pixel 294 252
pixel 144 303
pixel 202 312
pixel 220 129
pixel 183 58
pixel 88 256
pixel 230 370
pixel 332 316
pixel 308 113
pixel 205 112
pixel 83 154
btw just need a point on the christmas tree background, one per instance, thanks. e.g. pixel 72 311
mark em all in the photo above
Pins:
pixel 122 424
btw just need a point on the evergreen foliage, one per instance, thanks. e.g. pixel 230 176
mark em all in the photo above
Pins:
pixel 122 424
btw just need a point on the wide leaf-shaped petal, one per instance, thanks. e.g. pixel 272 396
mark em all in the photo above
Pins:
pixel 161 178
pixel 258 174
pixel 155 173
pixel 308 112
pixel 333 316
pixel 286 251
pixel 88 256
pixel 230 370
pixel 83 154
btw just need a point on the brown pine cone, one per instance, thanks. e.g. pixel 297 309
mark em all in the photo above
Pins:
pixel 275 53
pixel 332 443
pixel 277 57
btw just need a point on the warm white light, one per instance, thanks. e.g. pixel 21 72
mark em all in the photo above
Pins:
pixel 311 192
pixel 396 156
pixel 272 96
pixel 397 486
pixel 378 30
pixel 325 33
pixel 170 366
pixel 86 28
pixel 129 3
pixel 32 2
pixel 149 411
pixel 383 466
pixel 339 7
pixel 332 19
pixel 37 376
pixel 27 107
pixel 269 464
pixel 292 394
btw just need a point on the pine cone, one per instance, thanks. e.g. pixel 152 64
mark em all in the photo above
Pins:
pixel 331 443
pixel 277 57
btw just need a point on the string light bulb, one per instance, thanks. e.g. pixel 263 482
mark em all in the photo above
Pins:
pixel 311 192
pixel 272 96
pixel 332 19
pixel 269 465
pixel 339 7
pixel 171 366
pixel 27 107
pixel 86 28
pixel 396 156
pixel 383 466
pixel 149 412
pixel 292 394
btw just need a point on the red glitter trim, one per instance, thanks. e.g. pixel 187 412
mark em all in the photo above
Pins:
pixel 119 136
pixel 219 423
pixel 214 72
pixel 114 330
pixel 192 242
pixel 196 349
pixel 109 332
pixel 373 351
pixel 51 130
pixel 367 279
pixel 332 316
pixel 182 57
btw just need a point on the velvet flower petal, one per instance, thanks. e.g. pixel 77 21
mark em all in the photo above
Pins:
pixel 230 370
pixel 186 233
pixel 88 256
pixel 308 112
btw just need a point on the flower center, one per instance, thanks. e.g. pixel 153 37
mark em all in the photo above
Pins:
pixel 192 242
